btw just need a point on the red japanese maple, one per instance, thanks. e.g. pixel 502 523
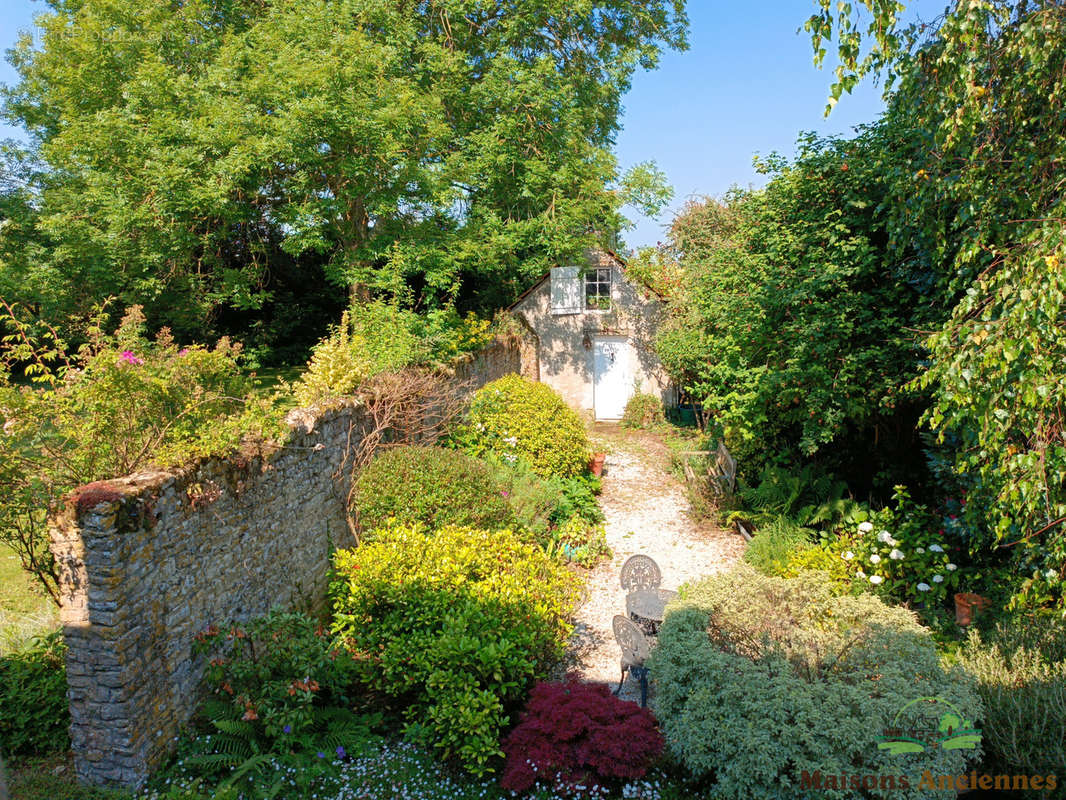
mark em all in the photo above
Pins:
pixel 575 732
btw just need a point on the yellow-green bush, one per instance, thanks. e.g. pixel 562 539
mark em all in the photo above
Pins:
pixel 522 419
pixel 760 678
pixel 454 625
pixel 825 560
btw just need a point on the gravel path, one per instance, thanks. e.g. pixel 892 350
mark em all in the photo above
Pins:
pixel 647 512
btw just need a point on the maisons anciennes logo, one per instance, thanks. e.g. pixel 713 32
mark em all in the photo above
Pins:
pixel 922 725
pixel 913 733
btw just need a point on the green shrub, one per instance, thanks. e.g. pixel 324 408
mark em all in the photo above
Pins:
pixel 1020 671
pixel 280 702
pixel 540 505
pixel 432 486
pixel 643 411
pixel 453 625
pixel 518 418
pixel 581 542
pixel 774 544
pixel 760 678
pixel 380 337
pixel 534 500
pixel 34 716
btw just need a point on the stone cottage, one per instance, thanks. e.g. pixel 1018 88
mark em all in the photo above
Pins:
pixel 593 329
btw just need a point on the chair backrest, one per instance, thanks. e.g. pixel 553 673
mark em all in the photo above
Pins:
pixel 641 574
pixel 631 640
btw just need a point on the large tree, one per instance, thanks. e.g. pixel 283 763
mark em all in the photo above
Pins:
pixel 982 85
pixel 409 144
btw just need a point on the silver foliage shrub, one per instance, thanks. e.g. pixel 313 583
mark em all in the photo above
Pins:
pixel 760 678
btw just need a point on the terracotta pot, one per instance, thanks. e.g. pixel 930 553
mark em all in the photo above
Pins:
pixel 967 606
pixel 596 464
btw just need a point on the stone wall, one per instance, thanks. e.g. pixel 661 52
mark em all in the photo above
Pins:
pixel 149 560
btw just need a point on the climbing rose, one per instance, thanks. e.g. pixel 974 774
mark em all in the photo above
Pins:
pixel 952 567
pixel 935 548
pixel 896 555
pixel 938 579
pixel 875 579
pixel 866 527
pixel 849 555
pixel 875 559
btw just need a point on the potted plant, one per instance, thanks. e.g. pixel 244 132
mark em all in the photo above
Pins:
pixel 596 463
pixel 967 606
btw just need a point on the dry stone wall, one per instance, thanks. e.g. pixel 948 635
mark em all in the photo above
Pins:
pixel 149 560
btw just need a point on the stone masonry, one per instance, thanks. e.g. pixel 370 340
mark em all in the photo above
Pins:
pixel 149 560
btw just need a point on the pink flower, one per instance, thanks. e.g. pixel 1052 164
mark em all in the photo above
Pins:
pixel 183 351
pixel 130 358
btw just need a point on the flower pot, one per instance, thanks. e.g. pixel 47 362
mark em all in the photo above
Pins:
pixel 596 464
pixel 967 606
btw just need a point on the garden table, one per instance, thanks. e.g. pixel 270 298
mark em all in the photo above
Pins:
pixel 648 606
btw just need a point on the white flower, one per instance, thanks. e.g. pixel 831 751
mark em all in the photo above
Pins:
pixel 924 587
pixel 951 567
pixel 511 440
pixel 875 579
pixel 884 536
pixel 938 579
pixel 1051 574
pixel 875 559
pixel 896 555
pixel 919 549
pixel 860 574
pixel 935 548
pixel 848 555
pixel 866 527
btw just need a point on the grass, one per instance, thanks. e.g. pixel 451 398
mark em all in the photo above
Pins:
pixel 25 611
pixel 52 778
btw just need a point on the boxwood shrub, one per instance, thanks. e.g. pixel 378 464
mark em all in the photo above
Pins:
pixel 454 626
pixel 761 678
pixel 519 418
pixel 432 486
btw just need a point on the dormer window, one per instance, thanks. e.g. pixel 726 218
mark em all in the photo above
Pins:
pixel 598 289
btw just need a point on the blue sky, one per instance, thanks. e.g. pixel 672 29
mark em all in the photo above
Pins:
pixel 746 85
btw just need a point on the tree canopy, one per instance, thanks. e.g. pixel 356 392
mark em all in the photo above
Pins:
pixel 402 147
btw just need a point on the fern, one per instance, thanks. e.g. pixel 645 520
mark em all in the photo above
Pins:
pixel 235 727
pixel 216 760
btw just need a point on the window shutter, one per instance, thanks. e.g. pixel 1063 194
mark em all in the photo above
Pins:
pixel 566 290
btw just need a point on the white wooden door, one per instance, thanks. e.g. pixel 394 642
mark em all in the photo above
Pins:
pixel 613 381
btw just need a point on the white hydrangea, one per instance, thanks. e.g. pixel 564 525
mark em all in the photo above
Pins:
pixel 875 559
pixel 896 555
pixel 951 567
pixel 924 587
pixel 866 527
pixel 848 555
pixel 938 579
pixel 935 548
pixel 875 579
